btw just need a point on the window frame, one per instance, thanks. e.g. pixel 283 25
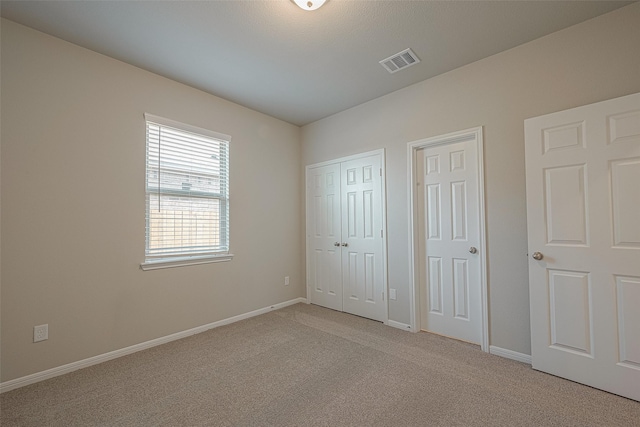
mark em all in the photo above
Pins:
pixel 195 258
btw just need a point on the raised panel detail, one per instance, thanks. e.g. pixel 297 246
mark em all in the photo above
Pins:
pixel 317 274
pixel 628 295
pixel 331 232
pixel 332 276
pixel 434 284
pixel 565 205
pixel 624 127
pixel 352 273
pixel 367 174
pixel 330 181
pixel 460 289
pixel 570 311
pixel 457 161
pixel 563 137
pixel 351 176
pixel 433 211
pixel 351 214
pixel 367 210
pixel 458 210
pixel 625 198
pixel 432 164
pixel 317 218
pixel 369 279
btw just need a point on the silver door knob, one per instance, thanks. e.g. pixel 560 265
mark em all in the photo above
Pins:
pixel 336 244
pixel 473 250
pixel 345 244
pixel 537 256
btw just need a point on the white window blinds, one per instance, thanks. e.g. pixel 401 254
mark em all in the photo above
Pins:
pixel 187 190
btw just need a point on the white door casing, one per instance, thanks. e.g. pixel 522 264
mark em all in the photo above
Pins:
pixel 447 232
pixel 583 211
pixel 345 228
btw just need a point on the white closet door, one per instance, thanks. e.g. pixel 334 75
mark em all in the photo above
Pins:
pixel 583 213
pixel 449 227
pixel 345 236
pixel 324 236
pixel 362 240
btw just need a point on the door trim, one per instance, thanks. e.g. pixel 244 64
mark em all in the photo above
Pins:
pixel 412 151
pixel 381 152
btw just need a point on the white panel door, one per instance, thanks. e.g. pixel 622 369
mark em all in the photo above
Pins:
pixel 583 213
pixel 449 230
pixel 324 256
pixel 362 240
pixel 345 229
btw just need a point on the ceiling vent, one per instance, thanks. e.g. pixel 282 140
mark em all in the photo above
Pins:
pixel 399 61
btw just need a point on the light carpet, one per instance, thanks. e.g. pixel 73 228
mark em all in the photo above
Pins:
pixel 309 366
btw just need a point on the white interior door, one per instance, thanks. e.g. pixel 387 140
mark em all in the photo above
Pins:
pixel 324 255
pixel 346 256
pixel 362 238
pixel 449 240
pixel 583 212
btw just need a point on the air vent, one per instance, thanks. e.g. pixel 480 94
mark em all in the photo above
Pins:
pixel 399 61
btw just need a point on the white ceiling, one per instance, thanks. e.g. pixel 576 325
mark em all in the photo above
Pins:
pixel 292 64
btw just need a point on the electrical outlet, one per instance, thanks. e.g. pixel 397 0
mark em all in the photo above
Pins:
pixel 286 280
pixel 392 294
pixel 40 333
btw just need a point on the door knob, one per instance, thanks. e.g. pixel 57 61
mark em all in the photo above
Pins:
pixel 345 244
pixel 336 244
pixel 537 256
pixel 473 250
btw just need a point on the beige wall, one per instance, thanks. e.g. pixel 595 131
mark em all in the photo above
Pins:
pixel 73 203
pixel 590 62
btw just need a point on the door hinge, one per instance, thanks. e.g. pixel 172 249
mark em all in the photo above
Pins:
pixel 380 171
pixel 381 233
pixel 382 296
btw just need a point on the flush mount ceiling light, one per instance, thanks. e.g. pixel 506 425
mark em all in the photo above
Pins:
pixel 309 4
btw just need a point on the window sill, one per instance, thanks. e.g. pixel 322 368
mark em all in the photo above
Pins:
pixel 184 261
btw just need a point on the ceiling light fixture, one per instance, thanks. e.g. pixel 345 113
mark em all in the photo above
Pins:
pixel 309 4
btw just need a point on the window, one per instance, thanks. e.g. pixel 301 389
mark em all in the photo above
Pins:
pixel 187 195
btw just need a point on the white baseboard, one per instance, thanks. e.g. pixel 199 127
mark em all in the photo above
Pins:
pixel 510 354
pixel 399 325
pixel 74 366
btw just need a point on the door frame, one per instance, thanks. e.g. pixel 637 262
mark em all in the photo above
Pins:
pixel 381 152
pixel 473 134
